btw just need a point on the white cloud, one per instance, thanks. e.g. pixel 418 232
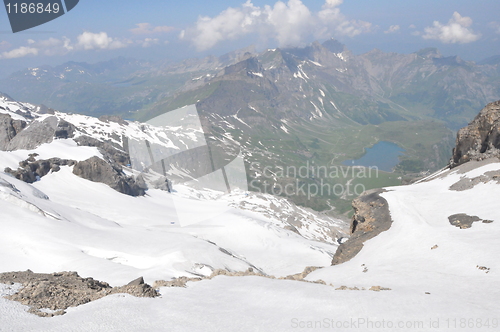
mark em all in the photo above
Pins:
pixel 290 24
pixel 412 26
pixel 64 45
pixel 101 40
pixel 393 29
pixel 456 31
pixel 147 29
pixel 333 22
pixel 19 52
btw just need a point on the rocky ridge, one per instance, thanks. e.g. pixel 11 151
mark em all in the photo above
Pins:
pixel 50 295
pixel 24 126
pixel 480 139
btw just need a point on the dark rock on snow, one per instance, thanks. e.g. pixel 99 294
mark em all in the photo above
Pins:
pixel 97 170
pixel 59 291
pixel 371 217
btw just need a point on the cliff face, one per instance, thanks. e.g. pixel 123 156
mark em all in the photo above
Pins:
pixel 371 217
pixel 480 139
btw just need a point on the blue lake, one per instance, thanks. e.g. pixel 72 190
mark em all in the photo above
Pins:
pixel 384 155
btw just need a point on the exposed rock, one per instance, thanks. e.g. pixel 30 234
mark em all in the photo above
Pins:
pixel 483 268
pixel 303 274
pixel 108 150
pixel 371 217
pixel 113 118
pixel 97 170
pixel 34 135
pixel 177 282
pixel 182 281
pixel 347 288
pixel 17 134
pixel 65 130
pixel 163 183
pixel 31 169
pixel 59 291
pixel 468 183
pixel 42 109
pixel 463 221
pixel 9 128
pixel 137 282
pixel 378 288
pixel 481 138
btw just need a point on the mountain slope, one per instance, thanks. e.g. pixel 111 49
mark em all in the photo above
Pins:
pixel 435 268
pixel 62 219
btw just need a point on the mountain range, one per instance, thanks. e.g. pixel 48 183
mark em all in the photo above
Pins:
pixel 320 105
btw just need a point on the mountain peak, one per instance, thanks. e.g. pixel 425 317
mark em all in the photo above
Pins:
pixel 334 46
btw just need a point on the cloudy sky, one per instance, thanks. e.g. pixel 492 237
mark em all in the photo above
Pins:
pixel 156 29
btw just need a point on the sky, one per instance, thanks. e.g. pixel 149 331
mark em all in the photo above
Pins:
pixel 157 29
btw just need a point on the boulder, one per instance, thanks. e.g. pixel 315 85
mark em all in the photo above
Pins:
pixel 371 217
pixel 9 128
pixel 31 169
pixel 108 150
pixel 97 170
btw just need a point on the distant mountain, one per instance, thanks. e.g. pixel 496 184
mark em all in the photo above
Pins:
pixel 289 107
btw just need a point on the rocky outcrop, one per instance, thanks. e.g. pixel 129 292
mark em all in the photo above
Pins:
pixel 30 170
pixel 480 139
pixel 50 294
pixel 17 134
pixel 108 150
pixel 464 221
pixel 113 118
pixel 64 130
pixel 97 170
pixel 94 169
pixel 371 217
pixel 9 128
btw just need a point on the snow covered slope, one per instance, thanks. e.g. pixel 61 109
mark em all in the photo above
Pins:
pixel 441 277
pixel 64 222
pixel 435 269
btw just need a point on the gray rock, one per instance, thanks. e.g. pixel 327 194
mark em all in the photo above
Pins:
pixel 136 282
pixel 9 128
pixel 480 139
pixel 371 217
pixel 97 170
pixel 108 150
pixel 464 221
pixel 17 134
pixel 59 291
pixel 469 183
pixel 30 169
pixel 113 118
pixel 65 130
pixel 34 135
